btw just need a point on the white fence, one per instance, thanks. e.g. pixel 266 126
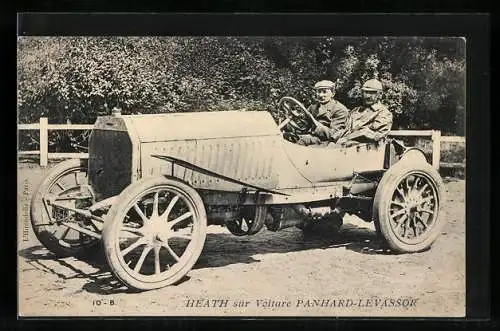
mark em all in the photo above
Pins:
pixel 43 127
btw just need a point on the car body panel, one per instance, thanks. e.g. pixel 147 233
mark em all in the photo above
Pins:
pixel 323 164
pixel 202 125
pixel 248 159
pixel 243 145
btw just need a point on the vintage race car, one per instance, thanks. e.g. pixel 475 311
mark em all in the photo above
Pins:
pixel 153 183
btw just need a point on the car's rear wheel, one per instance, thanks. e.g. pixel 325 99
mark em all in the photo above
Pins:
pixel 407 205
pixel 65 184
pixel 155 233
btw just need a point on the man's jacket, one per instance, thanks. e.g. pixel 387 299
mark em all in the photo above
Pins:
pixel 333 115
pixel 367 124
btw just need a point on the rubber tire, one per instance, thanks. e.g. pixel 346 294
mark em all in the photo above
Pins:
pixel 114 220
pixel 383 196
pixel 37 213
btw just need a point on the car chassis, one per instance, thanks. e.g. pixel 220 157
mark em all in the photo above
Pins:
pixel 153 183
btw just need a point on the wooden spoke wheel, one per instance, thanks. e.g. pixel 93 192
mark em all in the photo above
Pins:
pixel 65 185
pixel 407 204
pixel 155 233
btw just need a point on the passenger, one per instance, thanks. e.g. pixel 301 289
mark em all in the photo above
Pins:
pixel 368 123
pixel 330 115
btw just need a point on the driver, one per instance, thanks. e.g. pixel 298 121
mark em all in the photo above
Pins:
pixel 331 115
pixel 368 123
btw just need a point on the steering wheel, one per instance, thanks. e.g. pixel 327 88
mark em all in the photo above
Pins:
pixel 295 115
pixel 297 119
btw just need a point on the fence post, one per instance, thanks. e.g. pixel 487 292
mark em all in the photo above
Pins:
pixel 436 148
pixel 44 141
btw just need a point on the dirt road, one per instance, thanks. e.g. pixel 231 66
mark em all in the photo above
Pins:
pixel 279 274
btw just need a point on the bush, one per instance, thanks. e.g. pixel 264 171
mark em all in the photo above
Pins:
pixel 78 78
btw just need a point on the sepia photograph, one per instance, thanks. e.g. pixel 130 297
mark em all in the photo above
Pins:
pixel 304 176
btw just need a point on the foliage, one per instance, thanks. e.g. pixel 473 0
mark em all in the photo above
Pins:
pixel 77 78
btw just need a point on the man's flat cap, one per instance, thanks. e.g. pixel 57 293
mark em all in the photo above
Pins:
pixel 324 84
pixel 372 85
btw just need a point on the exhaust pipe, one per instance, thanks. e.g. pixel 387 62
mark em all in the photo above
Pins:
pixel 280 218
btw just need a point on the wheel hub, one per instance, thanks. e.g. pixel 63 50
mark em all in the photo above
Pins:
pixel 157 231
pixel 412 202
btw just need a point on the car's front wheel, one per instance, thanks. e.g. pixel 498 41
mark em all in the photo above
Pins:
pixel 155 233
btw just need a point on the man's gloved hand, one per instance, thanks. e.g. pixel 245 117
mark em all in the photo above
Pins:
pixel 356 134
pixel 342 141
pixel 321 130
pixel 347 142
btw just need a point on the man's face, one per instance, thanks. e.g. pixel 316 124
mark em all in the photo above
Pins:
pixel 324 95
pixel 370 97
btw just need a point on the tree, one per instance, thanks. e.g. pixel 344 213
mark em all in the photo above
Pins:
pixel 79 78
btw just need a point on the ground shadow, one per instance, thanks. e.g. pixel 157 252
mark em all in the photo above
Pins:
pixel 224 249
pixel 101 281
pixel 363 240
pixel 220 249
